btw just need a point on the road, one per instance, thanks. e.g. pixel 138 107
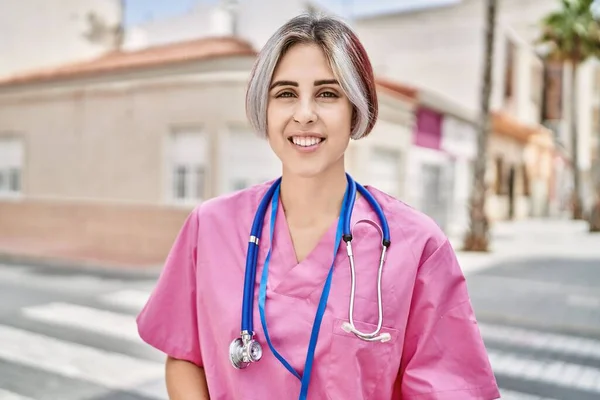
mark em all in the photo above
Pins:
pixel 540 319
pixel 70 334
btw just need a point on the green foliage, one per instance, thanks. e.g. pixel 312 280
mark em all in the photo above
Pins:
pixel 571 33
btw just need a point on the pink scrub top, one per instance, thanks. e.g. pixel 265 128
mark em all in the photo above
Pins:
pixel 435 353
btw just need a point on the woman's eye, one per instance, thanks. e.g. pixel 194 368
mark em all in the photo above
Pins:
pixel 328 94
pixel 285 94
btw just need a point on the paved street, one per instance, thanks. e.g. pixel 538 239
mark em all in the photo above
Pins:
pixel 537 300
pixel 67 335
pixel 70 335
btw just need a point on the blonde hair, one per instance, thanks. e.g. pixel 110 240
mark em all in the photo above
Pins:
pixel 346 55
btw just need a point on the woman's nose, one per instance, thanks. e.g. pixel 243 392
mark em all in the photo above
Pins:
pixel 305 112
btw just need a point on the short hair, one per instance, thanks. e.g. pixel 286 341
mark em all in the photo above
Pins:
pixel 347 58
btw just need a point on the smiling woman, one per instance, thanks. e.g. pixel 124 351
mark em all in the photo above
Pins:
pixel 406 331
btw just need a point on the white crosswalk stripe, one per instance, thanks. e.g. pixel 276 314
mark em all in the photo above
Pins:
pixel 6 395
pixel 112 370
pixel 512 395
pixel 559 373
pixel 542 341
pixel 86 318
pixel 556 372
pixel 129 299
pixel 108 369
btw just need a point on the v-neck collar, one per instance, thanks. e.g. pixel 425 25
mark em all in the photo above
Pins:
pixel 302 279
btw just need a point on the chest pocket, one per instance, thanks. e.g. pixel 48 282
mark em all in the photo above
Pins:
pixel 355 366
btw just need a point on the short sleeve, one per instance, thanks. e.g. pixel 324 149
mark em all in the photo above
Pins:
pixel 444 357
pixel 169 320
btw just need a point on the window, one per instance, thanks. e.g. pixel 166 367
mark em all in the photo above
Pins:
pixel 552 91
pixel 200 181
pixel 180 182
pixel 509 69
pixel 11 164
pixel 499 182
pixel 525 176
pixel 187 166
pixel 537 74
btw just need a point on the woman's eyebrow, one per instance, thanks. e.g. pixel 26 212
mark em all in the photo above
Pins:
pixel 283 83
pixel 295 84
pixel 326 82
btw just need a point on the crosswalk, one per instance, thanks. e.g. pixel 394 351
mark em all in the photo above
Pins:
pixel 92 350
pixel 94 346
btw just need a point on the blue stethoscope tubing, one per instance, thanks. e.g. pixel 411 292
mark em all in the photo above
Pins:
pixel 240 349
pixel 256 232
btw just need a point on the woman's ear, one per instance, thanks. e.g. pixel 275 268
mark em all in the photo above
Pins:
pixel 353 121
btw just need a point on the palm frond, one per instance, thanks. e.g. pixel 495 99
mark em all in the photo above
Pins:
pixel 571 32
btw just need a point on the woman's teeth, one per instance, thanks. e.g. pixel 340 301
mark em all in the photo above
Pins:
pixel 306 141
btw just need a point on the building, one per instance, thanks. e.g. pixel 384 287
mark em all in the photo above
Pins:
pixel 40 34
pixel 440 48
pixel 444 147
pixel 243 18
pixel 106 157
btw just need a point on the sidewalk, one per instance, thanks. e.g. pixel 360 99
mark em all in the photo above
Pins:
pixel 533 239
pixel 510 240
pixel 48 253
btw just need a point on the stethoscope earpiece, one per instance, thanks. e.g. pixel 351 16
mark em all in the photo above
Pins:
pixel 384 337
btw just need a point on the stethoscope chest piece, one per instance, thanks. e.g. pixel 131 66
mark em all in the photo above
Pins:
pixel 244 350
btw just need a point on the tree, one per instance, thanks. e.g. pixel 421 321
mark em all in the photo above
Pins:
pixel 572 37
pixel 477 238
pixel 595 214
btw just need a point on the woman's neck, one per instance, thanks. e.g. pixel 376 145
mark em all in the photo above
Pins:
pixel 308 200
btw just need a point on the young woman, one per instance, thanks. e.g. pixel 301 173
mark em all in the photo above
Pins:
pixel 310 93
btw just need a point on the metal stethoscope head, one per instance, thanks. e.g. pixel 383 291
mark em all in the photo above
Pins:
pixel 244 350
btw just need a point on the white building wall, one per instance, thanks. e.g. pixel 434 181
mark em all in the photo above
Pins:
pixel 459 140
pixel 441 49
pixel 41 33
pixel 211 20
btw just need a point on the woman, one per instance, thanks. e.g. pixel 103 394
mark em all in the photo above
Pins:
pixel 311 92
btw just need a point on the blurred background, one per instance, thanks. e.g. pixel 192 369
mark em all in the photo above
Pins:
pixel 117 117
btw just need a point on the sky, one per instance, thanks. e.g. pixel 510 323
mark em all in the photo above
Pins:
pixel 141 10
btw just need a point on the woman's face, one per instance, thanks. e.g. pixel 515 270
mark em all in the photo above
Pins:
pixel 308 116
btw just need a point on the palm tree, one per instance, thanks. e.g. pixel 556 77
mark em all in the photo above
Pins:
pixel 572 36
pixel 477 238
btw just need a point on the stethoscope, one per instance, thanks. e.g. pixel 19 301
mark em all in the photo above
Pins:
pixel 245 350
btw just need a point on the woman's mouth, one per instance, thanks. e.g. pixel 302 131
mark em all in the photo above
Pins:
pixel 306 142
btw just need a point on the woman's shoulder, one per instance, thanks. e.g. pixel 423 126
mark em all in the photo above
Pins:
pixel 410 225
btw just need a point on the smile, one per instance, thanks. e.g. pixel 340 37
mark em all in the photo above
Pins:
pixel 306 141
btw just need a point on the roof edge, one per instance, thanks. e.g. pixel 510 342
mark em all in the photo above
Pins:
pixel 149 57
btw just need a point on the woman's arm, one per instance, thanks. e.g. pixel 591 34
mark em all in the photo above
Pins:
pixel 185 380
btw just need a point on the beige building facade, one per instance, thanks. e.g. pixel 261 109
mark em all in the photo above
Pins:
pixel 111 154
pixel 38 34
